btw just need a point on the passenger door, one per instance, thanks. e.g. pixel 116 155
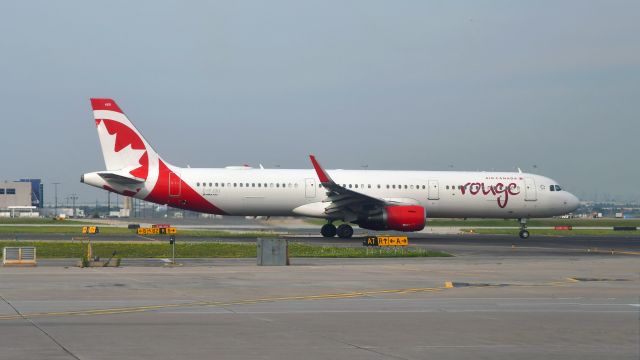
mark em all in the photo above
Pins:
pixel 174 184
pixel 530 189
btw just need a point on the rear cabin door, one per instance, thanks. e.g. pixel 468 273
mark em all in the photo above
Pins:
pixel 530 189
pixel 310 188
pixel 434 190
pixel 174 185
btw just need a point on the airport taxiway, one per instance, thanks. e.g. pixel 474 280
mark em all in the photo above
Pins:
pixel 531 305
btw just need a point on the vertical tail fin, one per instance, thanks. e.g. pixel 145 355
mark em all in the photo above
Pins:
pixel 123 147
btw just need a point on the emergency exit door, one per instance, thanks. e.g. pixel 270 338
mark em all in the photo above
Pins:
pixel 310 188
pixel 434 190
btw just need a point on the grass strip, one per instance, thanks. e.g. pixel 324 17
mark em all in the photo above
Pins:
pixel 58 249
pixel 77 231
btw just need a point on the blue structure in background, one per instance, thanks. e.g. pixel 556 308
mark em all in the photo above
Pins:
pixel 37 192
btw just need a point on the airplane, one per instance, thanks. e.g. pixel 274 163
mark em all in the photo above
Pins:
pixel 372 199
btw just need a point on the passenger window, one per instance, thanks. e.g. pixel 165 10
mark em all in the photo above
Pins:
pixel 197 184
pixel 356 185
pixel 405 186
pixel 393 186
pixel 423 187
pixel 235 184
pixel 378 186
pixel 387 186
pixel 259 185
pixel 368 186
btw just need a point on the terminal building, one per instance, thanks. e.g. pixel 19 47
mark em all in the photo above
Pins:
pixel 16 199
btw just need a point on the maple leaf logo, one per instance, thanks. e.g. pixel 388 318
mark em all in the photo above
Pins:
pixel 123 148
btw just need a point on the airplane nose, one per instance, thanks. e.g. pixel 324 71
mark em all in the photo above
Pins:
pixel 572 202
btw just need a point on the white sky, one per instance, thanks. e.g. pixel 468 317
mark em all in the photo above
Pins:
pixel 480 85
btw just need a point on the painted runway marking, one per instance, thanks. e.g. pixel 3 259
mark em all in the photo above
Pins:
pixel 346 295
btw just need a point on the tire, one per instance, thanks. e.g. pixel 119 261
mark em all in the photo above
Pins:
pixel 328 230
pixel 524 234
pixel 345 231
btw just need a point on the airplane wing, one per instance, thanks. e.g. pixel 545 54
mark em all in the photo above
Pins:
pixel 345 203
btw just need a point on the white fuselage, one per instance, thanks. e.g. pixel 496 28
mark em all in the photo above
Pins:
pixel 285 192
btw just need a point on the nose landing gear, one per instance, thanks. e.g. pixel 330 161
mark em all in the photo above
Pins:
pixel 524 233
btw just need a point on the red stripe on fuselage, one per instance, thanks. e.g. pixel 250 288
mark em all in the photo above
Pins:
pixel 188 199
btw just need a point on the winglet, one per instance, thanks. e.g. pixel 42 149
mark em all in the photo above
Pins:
pixel 322 174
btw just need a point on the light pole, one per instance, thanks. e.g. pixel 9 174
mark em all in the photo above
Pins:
pixel 74 197
pixel 55 185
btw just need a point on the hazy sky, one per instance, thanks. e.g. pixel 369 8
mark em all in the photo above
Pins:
pixel 477 85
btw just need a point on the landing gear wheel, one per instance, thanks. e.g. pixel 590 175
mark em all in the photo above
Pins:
pixel 524 234
pixel 328 230
pixel 345 231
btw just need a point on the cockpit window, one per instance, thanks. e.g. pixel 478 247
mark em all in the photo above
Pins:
pixel 558 188
pixel 552 187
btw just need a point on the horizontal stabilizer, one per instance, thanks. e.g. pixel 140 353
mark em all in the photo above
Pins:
pixel 121 177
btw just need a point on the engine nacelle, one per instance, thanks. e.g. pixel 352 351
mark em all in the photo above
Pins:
pixel 400 217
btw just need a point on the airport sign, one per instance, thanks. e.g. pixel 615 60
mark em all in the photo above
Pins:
pixel 90 230
pixel 157 231
pixel 386 241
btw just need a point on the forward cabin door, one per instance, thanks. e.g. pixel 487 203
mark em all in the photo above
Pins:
pixel 434 190
pixel 174 185
pixel 530 189
pixel 310 188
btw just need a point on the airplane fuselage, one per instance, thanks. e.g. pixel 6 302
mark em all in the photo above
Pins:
pixel 373 199
pixel 289 192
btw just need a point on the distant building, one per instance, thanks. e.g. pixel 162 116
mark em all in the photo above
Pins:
pixel 37 192
pixel 14 194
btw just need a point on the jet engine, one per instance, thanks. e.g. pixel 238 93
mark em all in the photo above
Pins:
pixel 399 217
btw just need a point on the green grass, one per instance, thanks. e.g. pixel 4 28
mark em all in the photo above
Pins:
pixel 551 232
pixel 77 231
pixel 57 249
pixel 40 221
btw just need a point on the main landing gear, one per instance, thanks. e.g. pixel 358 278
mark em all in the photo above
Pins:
pixel 524 234
pixel 344 231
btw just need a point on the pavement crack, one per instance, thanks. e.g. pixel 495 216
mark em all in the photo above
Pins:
pixel 42 330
